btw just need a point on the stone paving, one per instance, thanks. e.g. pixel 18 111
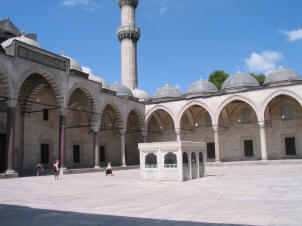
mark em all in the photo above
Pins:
pixel 232 195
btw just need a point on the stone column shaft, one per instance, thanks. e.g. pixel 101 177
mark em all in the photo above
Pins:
pixel 96 149
pixel 216 140
pixel 123 149
pixel 10 139
pixel 263 141
pixel 62 120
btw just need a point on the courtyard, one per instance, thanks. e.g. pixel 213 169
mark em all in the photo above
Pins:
pixel 229 195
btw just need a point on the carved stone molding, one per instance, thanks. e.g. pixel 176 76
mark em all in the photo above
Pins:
pixel 131 32
pixel 134 3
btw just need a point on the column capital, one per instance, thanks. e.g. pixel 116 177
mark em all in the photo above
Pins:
pixel 95 126
pixel 215 128
pixel 122 131
pixel 131 32
pixel 133 3
pixel 63 111
pixel 11 103
pixel 261 125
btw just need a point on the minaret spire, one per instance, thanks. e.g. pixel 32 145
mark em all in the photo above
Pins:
pixel 128 34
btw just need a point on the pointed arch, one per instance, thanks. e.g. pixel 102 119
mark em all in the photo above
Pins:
pixel 231 99
pixel 140 115
pixel 49 77
pixel 87 91
pixel 190 104
pixel 154 109
pixel 116 110
pixel 7 80
pixel 278 93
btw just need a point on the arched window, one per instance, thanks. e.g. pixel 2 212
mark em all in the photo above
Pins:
pixel 185 160
pixel 170 160
pixel 246 115
pixel 150 161
pixel 287 111
pixel 193 159
pixel 200 158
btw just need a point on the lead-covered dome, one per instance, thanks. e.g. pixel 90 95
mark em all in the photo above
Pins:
pixel 202 86
pixel 23 39
pixel 282 74
pixel 74 64
pixel 239 80
pixel 167 91
pixel 100 80
pixel 120 89
pixel 142 95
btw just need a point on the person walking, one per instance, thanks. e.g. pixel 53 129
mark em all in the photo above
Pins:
pixel 109 169
pixel 56 169
pixel 39 169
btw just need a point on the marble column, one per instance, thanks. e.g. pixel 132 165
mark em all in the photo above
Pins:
pixel 123 147
pixel 62 119
pixel 216 140
pixel 96 146
pixel 10 133
pixel 263 141
pixel 178 138
pixel 190 164
pixel 144 135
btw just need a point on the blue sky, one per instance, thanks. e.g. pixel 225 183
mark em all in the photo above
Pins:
pixel 180 40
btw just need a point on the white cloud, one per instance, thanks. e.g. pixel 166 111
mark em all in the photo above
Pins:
pixel 263 62
pixel 163 10
pixel 293 35
pixel 88 5
pixel 87 70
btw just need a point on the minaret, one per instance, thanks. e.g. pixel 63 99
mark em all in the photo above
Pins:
pixel 128 34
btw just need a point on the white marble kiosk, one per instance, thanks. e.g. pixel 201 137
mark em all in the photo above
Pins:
pixel 172 161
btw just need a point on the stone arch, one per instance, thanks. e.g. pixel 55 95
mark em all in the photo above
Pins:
pixel 139 114
pixel 190 104
pixel 50 78
pixel 87 91
pixel 229 100
pixel 116 110
pixel 31 97
pixel 278 93
pixel 154 109
pixel 7 80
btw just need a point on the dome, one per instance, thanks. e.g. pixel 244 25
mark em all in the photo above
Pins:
pixel 74 64
pixel 167 91
pixel 23 39
pixel 202 86
pixel 120 89
pixel 239 80
pixel 281 74
pixel 100 80
pixel 141 94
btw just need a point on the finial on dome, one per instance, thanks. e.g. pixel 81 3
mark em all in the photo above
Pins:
pixel 63 52
pixel 167 82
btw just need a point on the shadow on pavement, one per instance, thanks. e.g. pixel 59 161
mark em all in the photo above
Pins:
pixel 22 215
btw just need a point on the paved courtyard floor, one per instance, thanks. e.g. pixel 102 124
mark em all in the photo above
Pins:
pixel 232 195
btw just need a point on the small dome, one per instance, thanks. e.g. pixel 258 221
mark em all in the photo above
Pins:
pixel 202 86
pixel 100 80
pixel 120 89
pixel 23 39
pixel 239 80
pixel 74 64
pixel 141 94
pixel 167 91
pixel 282 74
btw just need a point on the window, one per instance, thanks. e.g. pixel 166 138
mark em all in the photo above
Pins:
pixel 44 153
pixel 248 148
pixel 290 146
pixel 150 161
pixel 45 114
pixel 193 159
pixel 102 154
pixel 211 150
pixel 76 153
pixel 170 160
pixel 200 158
pixel 185 160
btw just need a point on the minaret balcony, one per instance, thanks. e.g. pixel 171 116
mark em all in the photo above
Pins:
pixel 131 32
pixel 134 3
